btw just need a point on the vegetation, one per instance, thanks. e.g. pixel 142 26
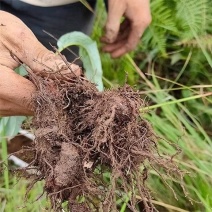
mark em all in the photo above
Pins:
pixel 176 81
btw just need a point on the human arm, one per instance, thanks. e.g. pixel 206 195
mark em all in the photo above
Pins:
pixel 121 38
pixel 18 44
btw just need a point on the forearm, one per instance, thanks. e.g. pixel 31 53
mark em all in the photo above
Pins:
pixel 15 93
pixel 10 109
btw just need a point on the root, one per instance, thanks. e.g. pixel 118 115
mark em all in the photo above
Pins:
pixel 82 135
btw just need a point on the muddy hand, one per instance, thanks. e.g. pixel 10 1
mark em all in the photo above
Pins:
pixel 121 38
pixel 18 44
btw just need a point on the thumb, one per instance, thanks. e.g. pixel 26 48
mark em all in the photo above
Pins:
pixel 22 43
pixel 116 10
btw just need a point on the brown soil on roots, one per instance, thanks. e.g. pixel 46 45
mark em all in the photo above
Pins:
pixel 92 147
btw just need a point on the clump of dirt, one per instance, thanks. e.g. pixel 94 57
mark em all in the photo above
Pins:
pixel 92 147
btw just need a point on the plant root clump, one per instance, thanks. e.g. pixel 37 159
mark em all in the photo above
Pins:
pixel 91 147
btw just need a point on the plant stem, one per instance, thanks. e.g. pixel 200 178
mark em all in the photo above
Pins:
pixel 175 101
pixel 4 158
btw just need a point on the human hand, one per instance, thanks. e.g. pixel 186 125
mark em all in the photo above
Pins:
pixel 121 38
pixel 19 45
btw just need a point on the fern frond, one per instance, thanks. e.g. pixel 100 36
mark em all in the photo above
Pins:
pixel 205 40
pixel 155 39
pixel 193 17
pixel 162 16
pixel 162 23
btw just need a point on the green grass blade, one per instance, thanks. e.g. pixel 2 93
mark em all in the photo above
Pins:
pixel 4 158
pixel 86 4
pixel 175 101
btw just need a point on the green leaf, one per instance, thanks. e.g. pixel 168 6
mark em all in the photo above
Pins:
pixel 21 70
pixel 89 55
pixel 11 125
pixel 193 16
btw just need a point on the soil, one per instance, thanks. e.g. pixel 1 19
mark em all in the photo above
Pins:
pixel 92 148
pixel 16 144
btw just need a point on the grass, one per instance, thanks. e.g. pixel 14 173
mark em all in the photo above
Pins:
pixel 185 120
pixel 13 199
pixel 180 111
pixel 176 124
pixel 4 158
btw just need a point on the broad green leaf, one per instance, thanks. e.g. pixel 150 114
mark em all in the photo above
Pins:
pixel 89 55
pixel 11 125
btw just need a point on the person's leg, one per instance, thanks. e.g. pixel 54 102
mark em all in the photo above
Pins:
pixel 55 20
